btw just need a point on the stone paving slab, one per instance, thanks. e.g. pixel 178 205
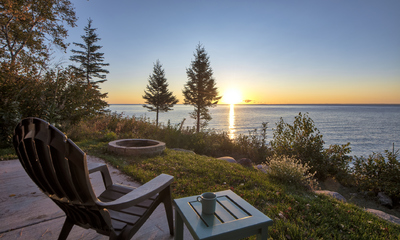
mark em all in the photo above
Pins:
pixel 27 213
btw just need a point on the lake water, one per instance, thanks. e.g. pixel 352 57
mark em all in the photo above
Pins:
pixel 369 128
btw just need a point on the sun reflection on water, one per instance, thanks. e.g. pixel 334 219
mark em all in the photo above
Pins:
pixel 232 129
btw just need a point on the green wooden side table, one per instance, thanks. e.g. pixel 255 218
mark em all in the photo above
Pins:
pixel 234 218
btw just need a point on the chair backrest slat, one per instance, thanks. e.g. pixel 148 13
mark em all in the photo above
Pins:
pixel 78 167
pixel 42 138
pixel 28 156
pixel 61 165
pixel 37 168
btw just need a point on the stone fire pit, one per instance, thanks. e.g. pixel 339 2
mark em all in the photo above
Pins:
pixel 136 147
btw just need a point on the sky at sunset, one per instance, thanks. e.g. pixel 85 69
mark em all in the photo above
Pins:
pixel 266 52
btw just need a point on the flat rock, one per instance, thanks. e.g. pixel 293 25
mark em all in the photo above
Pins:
pixel 384 215
pixel 228 159
pixel 336 195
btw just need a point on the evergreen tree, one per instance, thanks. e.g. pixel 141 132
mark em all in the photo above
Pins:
pixel 200 90
pixel 159 98
pixel 91 61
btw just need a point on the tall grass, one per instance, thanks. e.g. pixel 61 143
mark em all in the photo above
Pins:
pixel 117 126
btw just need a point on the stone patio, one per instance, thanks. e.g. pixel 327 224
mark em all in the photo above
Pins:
pixel 26 213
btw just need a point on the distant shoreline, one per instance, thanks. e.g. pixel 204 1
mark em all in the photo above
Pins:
pixel 292 104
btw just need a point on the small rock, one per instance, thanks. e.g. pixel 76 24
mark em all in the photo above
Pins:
pixel 245 162
pixel 262 167
pixel 385 200
pixel 336 195
pixel 282 216
pixel 228 159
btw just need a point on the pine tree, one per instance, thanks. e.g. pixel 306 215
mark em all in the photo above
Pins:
pixel 159 98
pixel 91 61
pixel 200 90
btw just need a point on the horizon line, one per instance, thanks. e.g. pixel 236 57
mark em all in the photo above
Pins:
pixel 272 104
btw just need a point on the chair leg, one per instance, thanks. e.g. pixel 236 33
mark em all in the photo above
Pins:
pixel 168 209
pixel 68 224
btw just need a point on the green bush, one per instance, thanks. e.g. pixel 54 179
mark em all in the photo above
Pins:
pixel 290 171
pixel 303 141
pixel 57 96
pixel 378 173
pixel 338 163
pixel 254 145
pixel 110 136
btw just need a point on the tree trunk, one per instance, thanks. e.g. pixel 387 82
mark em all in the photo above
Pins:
pixel 198 120
pixel 157 117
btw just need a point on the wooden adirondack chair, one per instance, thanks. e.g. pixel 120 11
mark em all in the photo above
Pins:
pixel 60 170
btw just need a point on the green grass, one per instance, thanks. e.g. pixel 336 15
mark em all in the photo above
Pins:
pixel 297 213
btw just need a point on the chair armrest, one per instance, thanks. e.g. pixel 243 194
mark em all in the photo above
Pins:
pixel 140 194
pixel 105 173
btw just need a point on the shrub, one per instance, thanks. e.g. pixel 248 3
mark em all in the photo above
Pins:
pixel 254 145
pixel 303 141
pixel 110 136
pixel 338 162
pixel 290 171
pixel 378 173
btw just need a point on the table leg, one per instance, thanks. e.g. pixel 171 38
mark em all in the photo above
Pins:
pixel 178 226
pixel 263 235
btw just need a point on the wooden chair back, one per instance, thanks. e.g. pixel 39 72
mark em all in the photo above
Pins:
pixel 60 169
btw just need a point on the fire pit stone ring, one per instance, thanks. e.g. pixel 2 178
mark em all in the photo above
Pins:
pixel 136 147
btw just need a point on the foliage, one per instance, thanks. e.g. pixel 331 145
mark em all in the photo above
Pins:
pixel 200 90
pixel 159 98
pixel 338 162
pixel 175 136
pixel 91 61
pixel 26 27
pixel 290 171
pixel 378 173
pixel 254 145
pixel 296 214
pixel 15 93
pixel 68 100
pixel 7 154
pixel 58 96
pixel 303 141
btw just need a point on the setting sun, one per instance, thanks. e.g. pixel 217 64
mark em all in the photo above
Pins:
pixel 232 96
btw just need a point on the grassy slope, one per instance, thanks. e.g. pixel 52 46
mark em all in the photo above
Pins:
pixel 297 214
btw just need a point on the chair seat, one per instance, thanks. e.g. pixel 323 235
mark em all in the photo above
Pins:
pixel 128 216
